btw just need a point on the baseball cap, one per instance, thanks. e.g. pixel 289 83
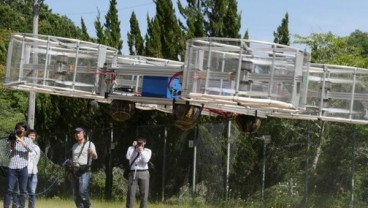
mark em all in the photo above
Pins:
pixel 79 129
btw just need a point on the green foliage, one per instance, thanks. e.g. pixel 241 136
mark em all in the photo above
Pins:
pixel 282 35
pixel 13 105
pixel 327 48
pixel 194 19
pixel 112 27
pixel 222 18
pixel 185 196
pixel 16 17
pixel 85 35
pixel 56 25
pixel 135 40
pixel 232 20
pixel 101 38
pixel 153 40
pixel 166 26
pixel 4 41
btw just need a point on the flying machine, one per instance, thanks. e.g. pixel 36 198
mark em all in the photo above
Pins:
pixel 242 80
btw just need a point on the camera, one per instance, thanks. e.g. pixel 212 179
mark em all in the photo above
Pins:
pixel 139 143
pixel 13 134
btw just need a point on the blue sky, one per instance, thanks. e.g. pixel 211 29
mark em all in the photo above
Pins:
pixel 260 17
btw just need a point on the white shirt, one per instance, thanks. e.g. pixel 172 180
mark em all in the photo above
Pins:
pixel 33 158
pixel 141 163
pixel 80 157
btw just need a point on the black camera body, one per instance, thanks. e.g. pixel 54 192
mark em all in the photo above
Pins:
pixel 13 134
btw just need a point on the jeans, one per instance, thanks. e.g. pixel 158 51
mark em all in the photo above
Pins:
pixel 15 177
pixel 80 190
pixel 31 186
pixel 15 196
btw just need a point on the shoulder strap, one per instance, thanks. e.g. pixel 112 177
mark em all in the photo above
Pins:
pixel 130 166
pixel 81 150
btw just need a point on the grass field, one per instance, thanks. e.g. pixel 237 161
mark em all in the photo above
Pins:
pixel 63 203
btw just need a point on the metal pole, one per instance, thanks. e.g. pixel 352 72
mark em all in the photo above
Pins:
pixel 228 159
pixel 109 176
pixel 266 139
pixel 307 171
pixel 32 95
pixel 194 160
pixel 352 169
pixel 164 167
pixel 263 170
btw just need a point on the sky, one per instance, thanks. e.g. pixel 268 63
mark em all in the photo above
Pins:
pixel 260 17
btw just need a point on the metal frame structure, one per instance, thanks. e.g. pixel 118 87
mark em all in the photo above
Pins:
pixel 220 74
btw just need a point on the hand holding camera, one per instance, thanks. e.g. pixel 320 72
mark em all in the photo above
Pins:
pixel 139 145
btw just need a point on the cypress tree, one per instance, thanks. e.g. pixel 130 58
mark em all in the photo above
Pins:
pixel 153 42
pixel 232 20
pixel 222 18
pixel 100 30
pixel 85 35
pixel 135 40
pixel 112 27
pixel 194 19
pixel 171 35
pixel 215 11
pixel 282 35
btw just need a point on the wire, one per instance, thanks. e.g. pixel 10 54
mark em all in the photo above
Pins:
pixel 48 189
pixel 123 8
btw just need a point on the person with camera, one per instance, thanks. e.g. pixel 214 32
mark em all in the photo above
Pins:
pixel 83 152
pixel 17 149
pixel 139 176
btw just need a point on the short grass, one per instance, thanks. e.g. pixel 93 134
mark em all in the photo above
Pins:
pixel 64 203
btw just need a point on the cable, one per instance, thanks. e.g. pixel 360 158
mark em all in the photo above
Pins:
pixel 48 188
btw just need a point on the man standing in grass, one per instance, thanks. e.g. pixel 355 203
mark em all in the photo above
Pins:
pixel 83 152
pixel 139 176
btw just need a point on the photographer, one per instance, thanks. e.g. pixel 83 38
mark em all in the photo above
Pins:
pixel 17 149
pixel 83 152
pixel 138 156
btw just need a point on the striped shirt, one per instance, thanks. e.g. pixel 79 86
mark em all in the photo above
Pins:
pixel 18 156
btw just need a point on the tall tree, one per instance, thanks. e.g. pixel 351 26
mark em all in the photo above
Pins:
pixel 85 35
pixel 171 36
pixel 359 39
pixel 100 30
pixel 112 27
pixel 215 11
pixel 246 37
pixel 221 18
pixel 232 20
pixel 153 41
pixel 194 19
pixel 282 35
pixel 135 40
